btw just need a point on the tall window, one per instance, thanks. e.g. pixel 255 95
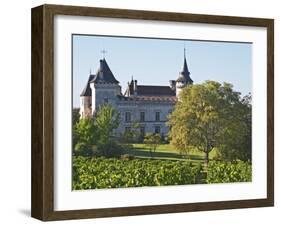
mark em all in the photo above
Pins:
pixel 157 116
pixel 142 116
pixel 142 131
pixel 157 129
pixel 128 117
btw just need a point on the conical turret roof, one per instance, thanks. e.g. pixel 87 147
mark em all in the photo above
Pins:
pixel 104 74
pixel 185 73
pixel 87 90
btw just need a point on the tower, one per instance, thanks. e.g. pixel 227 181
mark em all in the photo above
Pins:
pixel 184 77
pixel 86 99
pixel 104 87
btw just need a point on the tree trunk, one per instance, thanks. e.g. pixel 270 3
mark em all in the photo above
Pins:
pixel 206 158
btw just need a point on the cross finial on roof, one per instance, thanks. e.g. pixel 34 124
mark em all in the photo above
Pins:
pixel 103 53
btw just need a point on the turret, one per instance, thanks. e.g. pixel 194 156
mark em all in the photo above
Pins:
pixel 184 77
pixel 86 100
pixel 105 88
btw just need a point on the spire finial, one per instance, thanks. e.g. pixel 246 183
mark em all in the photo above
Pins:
pixel 184 51
pixel 90 71
pixel 103 53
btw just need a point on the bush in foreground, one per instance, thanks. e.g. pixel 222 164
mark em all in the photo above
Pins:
pixel 225 172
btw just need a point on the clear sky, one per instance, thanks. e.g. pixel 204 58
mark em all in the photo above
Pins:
pixel 156 61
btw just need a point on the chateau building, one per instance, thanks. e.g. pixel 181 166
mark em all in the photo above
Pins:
pixel 144 105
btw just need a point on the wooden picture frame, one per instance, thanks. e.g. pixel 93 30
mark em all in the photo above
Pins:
pixel 42 203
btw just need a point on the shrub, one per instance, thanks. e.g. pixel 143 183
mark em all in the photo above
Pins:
pixel 83 149
pixel 109 149
pixel 223 172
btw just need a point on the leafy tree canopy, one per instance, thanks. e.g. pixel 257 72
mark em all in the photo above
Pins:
pixel 97 130
pixel 106 120
pixel 212 115
pixel 75 116
pixel 85 133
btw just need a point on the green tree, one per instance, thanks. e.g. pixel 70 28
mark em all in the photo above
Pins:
pixel 237 143
pixel 131 136
pixel 152 141
pixel 106 120
pixel 75 116
pixel 75 120
pixel 209 115
pixel 85 131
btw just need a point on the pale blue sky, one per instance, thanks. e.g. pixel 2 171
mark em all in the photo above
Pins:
pixel 156 61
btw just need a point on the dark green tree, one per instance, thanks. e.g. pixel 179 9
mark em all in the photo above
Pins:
pixel 237 140
pixel 75 120
pixel 75 116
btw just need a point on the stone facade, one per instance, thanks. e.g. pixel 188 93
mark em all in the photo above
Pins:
pixel 146 106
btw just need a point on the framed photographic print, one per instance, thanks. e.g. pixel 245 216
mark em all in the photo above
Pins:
pixel 141 112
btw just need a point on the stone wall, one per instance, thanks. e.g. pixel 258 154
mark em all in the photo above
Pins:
pixel 85 106
pixel 149 108
pixel 104 93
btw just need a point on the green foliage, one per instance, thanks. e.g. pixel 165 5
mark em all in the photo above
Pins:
pixel 75 116
pixel 224 172
pixel 75 120
pixel 92 173
pixel 109 149
pixel 238 136
pixel 127 157
pixel 85 131
pixel 83 149
pixel 131 136
pixel 98 130
pixel 152 141
pixel 106 120
pixel 127 137
pixel 211 115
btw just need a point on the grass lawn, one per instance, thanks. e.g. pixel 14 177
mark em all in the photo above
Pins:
pixel 165 151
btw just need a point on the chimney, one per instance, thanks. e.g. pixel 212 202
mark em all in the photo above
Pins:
pixel 172 84
pixel 135 87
